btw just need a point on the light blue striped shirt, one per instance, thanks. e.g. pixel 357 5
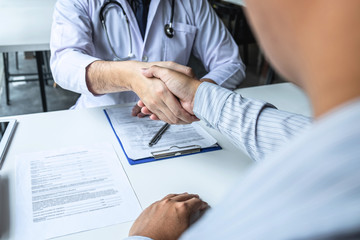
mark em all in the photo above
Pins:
pixel 308 188
pixel 253 125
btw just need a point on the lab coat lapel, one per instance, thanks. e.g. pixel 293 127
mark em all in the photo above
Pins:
pixel 154 4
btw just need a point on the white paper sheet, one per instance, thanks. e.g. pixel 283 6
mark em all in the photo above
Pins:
pixel 135 134
pixel 71 190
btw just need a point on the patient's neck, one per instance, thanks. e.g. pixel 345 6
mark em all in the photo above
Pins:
pixel 332 92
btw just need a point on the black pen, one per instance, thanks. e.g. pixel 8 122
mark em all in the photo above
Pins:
pixel 158 135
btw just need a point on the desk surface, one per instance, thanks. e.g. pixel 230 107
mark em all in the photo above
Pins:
pixel 25 25
pixel 209 174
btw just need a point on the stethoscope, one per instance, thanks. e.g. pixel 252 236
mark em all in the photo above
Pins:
pixel 168 28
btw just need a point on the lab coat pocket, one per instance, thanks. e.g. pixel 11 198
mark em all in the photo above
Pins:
pixel 178 48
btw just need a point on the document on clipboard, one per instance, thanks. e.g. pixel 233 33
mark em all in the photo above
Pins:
pixel 135 133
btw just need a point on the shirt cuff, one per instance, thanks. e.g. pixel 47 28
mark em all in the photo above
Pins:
pixel 227 78
pixel 83 61
pixel 70 71
pixel 137 238
pixel 209 101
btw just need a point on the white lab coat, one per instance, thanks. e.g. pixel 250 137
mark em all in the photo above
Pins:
pixel 78 39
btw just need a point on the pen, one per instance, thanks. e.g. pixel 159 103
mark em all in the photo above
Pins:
pixel 158 135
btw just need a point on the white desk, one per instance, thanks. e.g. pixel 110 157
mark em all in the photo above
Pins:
pixel 208 174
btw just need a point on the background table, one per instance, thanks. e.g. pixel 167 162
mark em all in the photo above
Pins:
pixel 210 174
pixel 26 26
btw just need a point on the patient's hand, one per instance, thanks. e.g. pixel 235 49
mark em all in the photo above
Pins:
pixel 182 86
pixel 169 217
pixel 166 105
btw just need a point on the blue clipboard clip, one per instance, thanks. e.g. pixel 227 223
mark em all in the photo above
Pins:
pixel 175 151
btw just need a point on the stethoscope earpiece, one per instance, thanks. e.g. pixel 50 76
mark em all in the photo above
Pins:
pixel 169 30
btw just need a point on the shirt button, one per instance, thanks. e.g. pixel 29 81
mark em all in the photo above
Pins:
pixel 145 58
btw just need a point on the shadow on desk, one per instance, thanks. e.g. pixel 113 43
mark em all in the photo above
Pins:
pixel 4 208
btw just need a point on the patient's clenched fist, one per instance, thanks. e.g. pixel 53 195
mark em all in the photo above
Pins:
pixel 169 217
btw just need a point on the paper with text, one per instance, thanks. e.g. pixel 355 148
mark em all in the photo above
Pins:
pixel 135 134
pixel 71 190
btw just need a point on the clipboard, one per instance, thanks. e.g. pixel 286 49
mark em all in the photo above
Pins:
pixel 171 152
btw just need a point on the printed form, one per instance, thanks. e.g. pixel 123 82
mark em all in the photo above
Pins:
pixel 72 190
pixel 135 134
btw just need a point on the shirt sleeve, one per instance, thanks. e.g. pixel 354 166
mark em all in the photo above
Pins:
pixel 216 48
pixel 253 125
pixel 71 45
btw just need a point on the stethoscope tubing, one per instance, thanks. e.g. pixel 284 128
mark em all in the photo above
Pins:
pixel 168 28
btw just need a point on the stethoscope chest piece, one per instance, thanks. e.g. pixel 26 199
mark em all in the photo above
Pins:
pixel 169 30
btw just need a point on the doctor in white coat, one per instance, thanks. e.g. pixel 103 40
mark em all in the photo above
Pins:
pixel 103 60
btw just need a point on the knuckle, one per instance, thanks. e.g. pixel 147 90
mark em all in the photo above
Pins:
pixel 154 67
pixel 169 195
pixel 165 201
pixel 173 119
pixel 152 105
pixel 171 63
pixel 177 121
pixel 160 90
pixel 181 207
pixel 178 112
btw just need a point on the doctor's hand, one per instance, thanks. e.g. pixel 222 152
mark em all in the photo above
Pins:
pixel 182 86
pixel 136 111
pixel 169 217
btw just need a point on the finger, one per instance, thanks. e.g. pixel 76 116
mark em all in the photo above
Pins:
pixel 168 116
pixel 141 115
pixel 161 115
pixel 146 111
pixel 140 104
pixel 169 196
pixel 196 211
pixel 166 106
pixel 155 72
pixel 180 68
pixel 135 111
pixel 196 204
pixel 147 73
pixel 170 107
pixel 154 117
pixel 156 104
pixel 158 111
pixel 177 110
pixel 183 197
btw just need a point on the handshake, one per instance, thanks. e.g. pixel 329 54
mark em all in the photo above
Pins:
pixel 169 94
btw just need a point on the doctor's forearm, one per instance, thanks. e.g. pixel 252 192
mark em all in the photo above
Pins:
pixel 117 76
pixel 106 77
